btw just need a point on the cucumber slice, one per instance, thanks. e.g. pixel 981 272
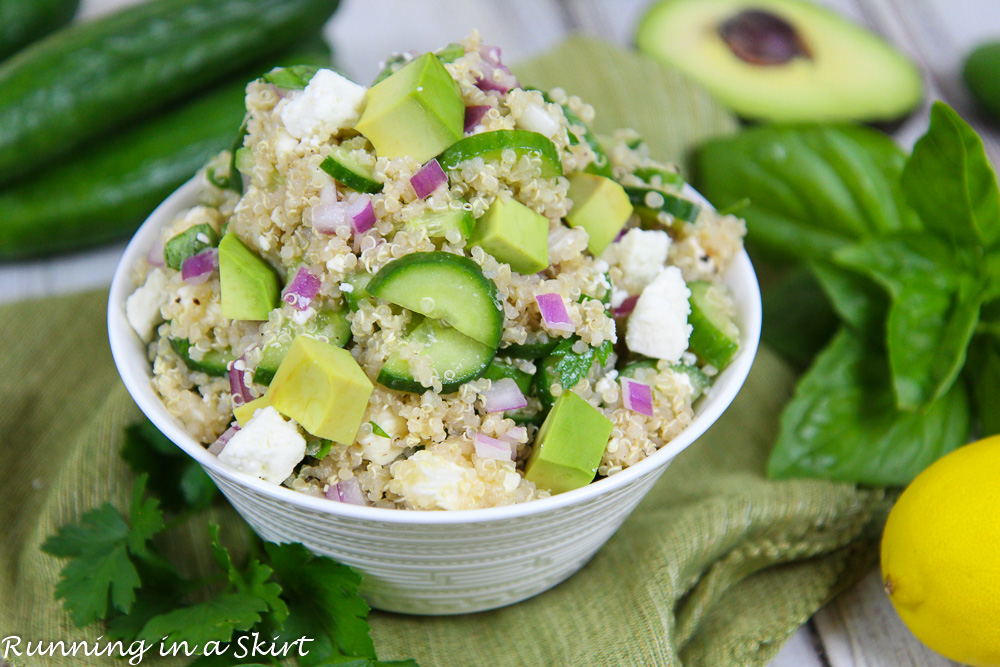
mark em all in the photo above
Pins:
pixel 647 200
pixel 535 350
pixel 489 146
pixel 359 281
pixel 214 362
pixel 637 369
pixel 699 381
pixel 651 174
pixel 456 359
pixel 332 324
pixel 348 171
pixel 499 371
pixel 444 286
pixel 439 223
pixel 393 64
pixel 714 335
pixel 189 243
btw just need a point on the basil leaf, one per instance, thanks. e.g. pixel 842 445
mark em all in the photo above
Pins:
pixel 984 379
pixel 859 302
pixel 813 188
pixel 294 77
pixel 842 422
pixel 934 311
pixel 798 318
pixel 949 182
pixel 379 431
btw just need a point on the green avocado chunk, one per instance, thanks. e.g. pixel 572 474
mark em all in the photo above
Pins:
pixel 331 324
pixel 600 206
pixel 514 234
pixel 418 111
pixel 249 286
pixel 569 445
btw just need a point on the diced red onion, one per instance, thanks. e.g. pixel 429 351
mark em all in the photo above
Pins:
pixel 220 442
pixel 515 435
pixel 554 312
pixel 495 76
pixel 328 217
pixel 155 255
pixel 237 382
pixel 362 214
pixel 347 491
pixel 428 179
pixel 637 396
pixel 503 395
pixel 474 114
pixel 623 232
pixel 303 288
pixel 196 269
pixel 626 307
pixel 491 448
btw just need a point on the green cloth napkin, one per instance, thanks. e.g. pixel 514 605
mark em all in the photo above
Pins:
pixel 717 566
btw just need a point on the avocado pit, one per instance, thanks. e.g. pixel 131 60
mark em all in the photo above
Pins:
pixel 759 37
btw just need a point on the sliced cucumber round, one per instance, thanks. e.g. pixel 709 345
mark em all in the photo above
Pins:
pixel 214 362
pixel 714 336
pixel 350 172
pixel 500 371
pixel 333 324
pixel 455 358
pixel 359 281
pixel 533 350
pixel 650 201
pixel 443 286
pixel 439 223
pixel 188 244
pixel 490 145
pixel 640 370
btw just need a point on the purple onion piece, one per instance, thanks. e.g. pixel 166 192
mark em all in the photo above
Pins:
pixel 303 288
pixel 196 269
pixel 474 114
pixel 362 214
pixel 503 395
pixel 626 307
pixel 554 313
pixel 637 396
pixel 220 442
pixel 347 491
pixel 491 448
pixel 237 382
pixel 428 179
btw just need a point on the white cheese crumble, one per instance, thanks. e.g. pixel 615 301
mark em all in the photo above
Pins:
pixel 536 119
pixel 379 449
pixel 142 307
pixel 640 255
pixel 328 104
pixel 428 481
pixel 658 327
pixel 267 447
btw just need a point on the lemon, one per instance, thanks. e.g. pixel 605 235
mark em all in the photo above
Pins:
pixel 941 555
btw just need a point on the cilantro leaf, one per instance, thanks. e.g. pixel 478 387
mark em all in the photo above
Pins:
pixel 212 620
pixel 379 431
pixel 572 366
pixel 324 604
pixel 255 580
pixel 175 478
pixel 101 574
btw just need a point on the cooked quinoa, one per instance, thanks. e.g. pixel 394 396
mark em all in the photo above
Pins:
pixel 416 450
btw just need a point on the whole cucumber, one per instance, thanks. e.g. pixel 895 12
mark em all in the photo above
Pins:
pixel 22 22
pixel 104 192
pixel 93 76
pixel 982 75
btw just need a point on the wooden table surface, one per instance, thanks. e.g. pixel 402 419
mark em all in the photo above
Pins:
pixel 860 628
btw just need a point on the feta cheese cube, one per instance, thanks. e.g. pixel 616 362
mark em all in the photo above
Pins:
pixel 379 449
pixel 428 481
pixel 328 104
pixel 142 307
pixel 658 327
pixel 640 255
pixel 268 447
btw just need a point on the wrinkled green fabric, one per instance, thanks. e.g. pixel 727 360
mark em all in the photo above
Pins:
pixel 716 567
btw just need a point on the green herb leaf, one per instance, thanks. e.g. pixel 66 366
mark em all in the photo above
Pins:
pixel 174 477
pixel 571 366
pixel 323 602
pixel 984 375
pixel 949 182
pixel 101 548
pixel 798 319
pixel 813 188
pixel 379 431
pixel 212 620
pixel 842 422
pixel 934 310
pixel 860 302
pixel 295 77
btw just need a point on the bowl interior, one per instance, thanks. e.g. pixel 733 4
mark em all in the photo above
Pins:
pixel 129 353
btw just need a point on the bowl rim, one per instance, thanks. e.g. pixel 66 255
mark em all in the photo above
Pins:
pixel 127 348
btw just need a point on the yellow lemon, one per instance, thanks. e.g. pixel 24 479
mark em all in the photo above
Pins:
pixel 941 555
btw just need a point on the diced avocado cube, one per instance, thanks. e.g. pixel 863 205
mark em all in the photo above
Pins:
pixel 333 324
pixel 514 234
pixel 244 413
pixel 418 111
pixel 569 445
pixel 600 206
pixel 249 285
pixel 323 388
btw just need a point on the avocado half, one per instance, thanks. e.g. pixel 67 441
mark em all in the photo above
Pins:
pixel 782 60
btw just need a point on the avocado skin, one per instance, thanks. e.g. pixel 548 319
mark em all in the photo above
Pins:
pixel 982 75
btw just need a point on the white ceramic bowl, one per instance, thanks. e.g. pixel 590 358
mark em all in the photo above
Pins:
pixel 422 562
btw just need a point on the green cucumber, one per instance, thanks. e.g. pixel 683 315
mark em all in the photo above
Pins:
pixel 24 21
pixel 533 350
pixel 680 208
pixel 439 223
pixel 441 285
pixel 392 64
pixel 106 191
pixel 490 145
pixel 85 81
pixel 636 369
pixel 359 281
pixel 333 324
pixel 714 335
pixel 699 381
pixel 341 167
pixel 456 358
pixel 214 362
pixel 189 243
pixel 601 166
pixel 499 371
pixel 666 177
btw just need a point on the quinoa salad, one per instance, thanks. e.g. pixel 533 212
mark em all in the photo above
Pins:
pixel 442 291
